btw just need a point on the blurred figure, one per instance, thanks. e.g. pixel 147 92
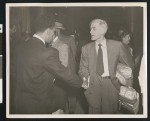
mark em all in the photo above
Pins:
pixel 60 88
pixel 12 30
pixel 67 51
pixel 81 102
pixel 80 43
pixel 112 35
pixel 13 38
pixel 125 38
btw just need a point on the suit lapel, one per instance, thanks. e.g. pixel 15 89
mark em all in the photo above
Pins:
pixel 36 40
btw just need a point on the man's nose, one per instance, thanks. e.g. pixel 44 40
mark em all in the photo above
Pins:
pixel 91 32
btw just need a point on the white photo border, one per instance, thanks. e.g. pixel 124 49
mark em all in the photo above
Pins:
pixel 1 80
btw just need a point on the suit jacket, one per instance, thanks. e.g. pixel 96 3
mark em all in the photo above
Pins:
pixel 116 53
pixel 67 43
pixel 63 51
pixel 60 87
pixel 35 68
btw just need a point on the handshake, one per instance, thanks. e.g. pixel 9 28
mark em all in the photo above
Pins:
pixel 85 84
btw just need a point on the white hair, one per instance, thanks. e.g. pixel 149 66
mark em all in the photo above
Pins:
pixel 100 21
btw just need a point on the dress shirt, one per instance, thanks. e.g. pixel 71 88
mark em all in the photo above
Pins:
pixel 105 56
pixel 54 40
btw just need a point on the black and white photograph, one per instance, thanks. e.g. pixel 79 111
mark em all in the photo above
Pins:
pixel 76 60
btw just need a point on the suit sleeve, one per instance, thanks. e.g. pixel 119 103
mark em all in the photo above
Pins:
pixel 83 69
pixel 63 54
pixel 53 65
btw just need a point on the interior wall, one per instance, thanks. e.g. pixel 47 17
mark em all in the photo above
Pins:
pixel 137 28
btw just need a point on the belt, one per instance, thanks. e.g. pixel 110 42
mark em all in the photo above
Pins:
pixel 106 77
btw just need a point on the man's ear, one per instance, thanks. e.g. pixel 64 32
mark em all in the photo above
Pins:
pixel 105 28
pixel 47 31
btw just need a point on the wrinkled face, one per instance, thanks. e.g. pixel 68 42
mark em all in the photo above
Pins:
pixel 126 39
pixel 49 35
pixel 97 30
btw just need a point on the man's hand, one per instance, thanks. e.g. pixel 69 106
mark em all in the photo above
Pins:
pixel 59 111
pixel 85 84
pixel 53 80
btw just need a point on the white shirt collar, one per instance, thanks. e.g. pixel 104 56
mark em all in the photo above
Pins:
pixel 35 35
pixel 55 39
pixel 103 43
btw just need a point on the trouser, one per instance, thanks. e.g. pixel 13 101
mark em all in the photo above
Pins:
pixel 60 96
pixel 72 99
pixel 108 98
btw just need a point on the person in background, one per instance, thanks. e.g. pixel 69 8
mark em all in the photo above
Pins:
pixel 61 100
pixel 36 67
pixel 67 50
pixel 125 38
pixel 98 68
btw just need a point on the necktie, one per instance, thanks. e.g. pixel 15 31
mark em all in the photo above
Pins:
pixel 100 66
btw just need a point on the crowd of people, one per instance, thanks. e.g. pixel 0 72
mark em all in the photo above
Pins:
pixel 51 73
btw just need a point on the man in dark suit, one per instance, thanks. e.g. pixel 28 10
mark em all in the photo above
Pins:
pixel 35 70
pixel 98 65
